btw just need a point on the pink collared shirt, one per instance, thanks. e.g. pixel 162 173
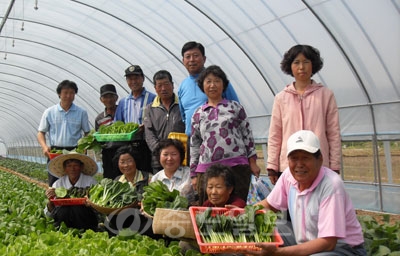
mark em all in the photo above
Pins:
pixel 323 210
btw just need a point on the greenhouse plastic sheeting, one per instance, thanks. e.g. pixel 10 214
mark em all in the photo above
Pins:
pixel 92 42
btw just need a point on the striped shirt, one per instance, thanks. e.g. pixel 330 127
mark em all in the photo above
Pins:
pixel 132 109
pixel 103 119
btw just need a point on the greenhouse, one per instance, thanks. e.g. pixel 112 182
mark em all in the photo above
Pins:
pixel 92 42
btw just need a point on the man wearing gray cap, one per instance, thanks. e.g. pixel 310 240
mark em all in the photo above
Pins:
pixel 324 221
pixel 109 97
pixel 132 109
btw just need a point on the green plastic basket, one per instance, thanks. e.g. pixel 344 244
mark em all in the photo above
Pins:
pixel 115 136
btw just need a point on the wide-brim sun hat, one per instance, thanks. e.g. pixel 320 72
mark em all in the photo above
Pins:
pixel 55 166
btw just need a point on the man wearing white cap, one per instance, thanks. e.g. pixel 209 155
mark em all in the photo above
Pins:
pixel 323 218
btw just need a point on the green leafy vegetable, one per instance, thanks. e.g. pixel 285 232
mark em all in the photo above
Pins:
pixel 88 142
pixel 73 192
pixel 157 195
pixel 56 151
pixel 118 127
pixel 380 239
pixel 112 194
pixel 26 231
pixel 254 225
pixel 61 192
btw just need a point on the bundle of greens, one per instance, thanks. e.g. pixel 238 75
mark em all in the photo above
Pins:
pixel 118 127
pixel 253 225
pixel 73 192
pixel 112 194
pixel 56 151
pixel 157 195
pixel 88 142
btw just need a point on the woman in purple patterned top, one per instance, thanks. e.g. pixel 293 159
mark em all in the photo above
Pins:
pixel 221 134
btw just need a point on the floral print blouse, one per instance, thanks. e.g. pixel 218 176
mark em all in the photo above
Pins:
pixel 220 135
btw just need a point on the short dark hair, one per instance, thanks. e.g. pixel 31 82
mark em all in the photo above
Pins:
pixel 216 71
pixel 66 84
pixel 164 143
pixel 192 45
pixel 220 170
pixel 128 149
pixel 317 154
pixel 309 52
pixel 161 74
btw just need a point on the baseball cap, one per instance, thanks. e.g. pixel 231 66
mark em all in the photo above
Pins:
pixel 133 70
pixel 303 140
pixel 108 89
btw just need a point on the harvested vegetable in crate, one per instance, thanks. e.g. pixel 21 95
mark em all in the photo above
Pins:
pixel 157 195
pixel 113 194
pixel 254 225
pixel 118 131
pixel 73 192
pixel 118 127
pixel 56 151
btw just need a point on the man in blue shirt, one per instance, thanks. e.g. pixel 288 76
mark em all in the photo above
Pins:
pixel 64 122
pixel 189 94
pixel 132 109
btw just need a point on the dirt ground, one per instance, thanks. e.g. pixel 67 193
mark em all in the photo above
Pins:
pixel 358 165
pixel 394 218
pixel 24 177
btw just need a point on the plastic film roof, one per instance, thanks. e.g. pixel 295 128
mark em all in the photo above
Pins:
pixel 92 42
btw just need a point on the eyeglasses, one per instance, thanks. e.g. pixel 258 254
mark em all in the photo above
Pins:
pixel 127 162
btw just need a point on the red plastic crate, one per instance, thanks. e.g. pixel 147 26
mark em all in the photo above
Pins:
pixel 226 247
pixel 53 155
pixel 68 201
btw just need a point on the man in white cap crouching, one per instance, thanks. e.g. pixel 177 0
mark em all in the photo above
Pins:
pixel 324 221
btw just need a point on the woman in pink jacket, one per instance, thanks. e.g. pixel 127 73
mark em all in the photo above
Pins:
pixel 303 105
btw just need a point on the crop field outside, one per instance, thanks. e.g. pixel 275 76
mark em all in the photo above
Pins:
pixel 358 162
pixel 359 166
